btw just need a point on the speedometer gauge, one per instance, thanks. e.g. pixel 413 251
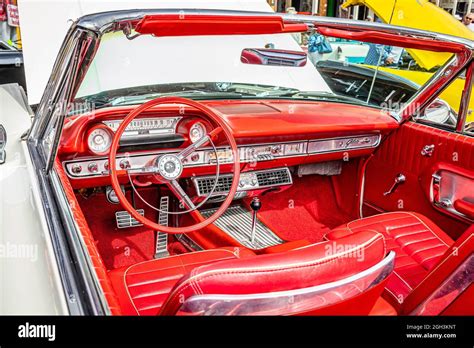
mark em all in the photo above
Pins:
pixel 196 132
pixel 99 140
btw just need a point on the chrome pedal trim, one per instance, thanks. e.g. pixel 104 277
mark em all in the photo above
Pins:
pixel 161 244
pixel 237 223
pixel 125 220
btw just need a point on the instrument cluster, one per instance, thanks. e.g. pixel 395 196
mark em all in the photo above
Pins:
pixel 99 137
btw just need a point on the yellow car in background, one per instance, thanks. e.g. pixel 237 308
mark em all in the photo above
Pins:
pixel 421 14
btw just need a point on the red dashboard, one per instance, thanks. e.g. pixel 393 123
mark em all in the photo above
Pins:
pixel 270 134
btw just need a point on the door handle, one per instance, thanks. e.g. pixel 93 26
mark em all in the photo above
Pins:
pixel 428 150
pixel 399 179
pixel 3 144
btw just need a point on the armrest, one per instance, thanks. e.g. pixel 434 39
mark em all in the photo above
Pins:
pixel 465 206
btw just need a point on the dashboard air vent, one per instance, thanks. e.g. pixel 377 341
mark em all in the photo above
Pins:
pixel 274 177
pixel 205 185
pixel 248 181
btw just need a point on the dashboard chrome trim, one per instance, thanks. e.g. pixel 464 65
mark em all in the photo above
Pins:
pixel 203 157
pixel 369 141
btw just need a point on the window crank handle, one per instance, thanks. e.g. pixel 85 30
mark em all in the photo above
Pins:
pixel 399 179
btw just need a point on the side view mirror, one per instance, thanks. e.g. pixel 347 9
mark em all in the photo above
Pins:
pixel 274 57
pixel 439 112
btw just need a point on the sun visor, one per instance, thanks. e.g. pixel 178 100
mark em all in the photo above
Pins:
pixel 198 25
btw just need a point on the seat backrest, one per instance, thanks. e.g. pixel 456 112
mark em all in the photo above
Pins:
pixel 446 285
pixel 300 281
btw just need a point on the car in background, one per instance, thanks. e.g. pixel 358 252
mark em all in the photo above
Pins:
pixel 355 80
pixel 11 65
pixel 435 19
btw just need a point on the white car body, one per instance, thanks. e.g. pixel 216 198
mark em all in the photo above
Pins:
pixel 28 270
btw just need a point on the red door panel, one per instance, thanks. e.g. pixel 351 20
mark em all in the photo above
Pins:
pixel 401 153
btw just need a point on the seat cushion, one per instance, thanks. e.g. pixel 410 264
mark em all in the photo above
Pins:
pixel 418 243
pixel 142 288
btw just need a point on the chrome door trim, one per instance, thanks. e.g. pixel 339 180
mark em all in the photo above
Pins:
pixel 77 285
pixel 465 99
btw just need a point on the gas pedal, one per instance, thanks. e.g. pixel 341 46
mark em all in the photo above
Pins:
pixel 125 220
pixel 161 247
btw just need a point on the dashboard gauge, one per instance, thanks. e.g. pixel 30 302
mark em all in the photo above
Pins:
pixel 196 132
pixel 99 140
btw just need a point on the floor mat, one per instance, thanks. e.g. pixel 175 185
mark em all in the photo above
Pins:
pixel 122 247
pixel 307 210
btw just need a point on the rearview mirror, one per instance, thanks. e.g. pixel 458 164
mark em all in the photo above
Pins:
pixel 274 57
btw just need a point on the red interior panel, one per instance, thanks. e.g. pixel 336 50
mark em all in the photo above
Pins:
pixel 401 153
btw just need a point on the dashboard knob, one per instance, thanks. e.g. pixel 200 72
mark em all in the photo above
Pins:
pixel 76 168
pixel 276 150
pixel 124 164
pixel 106 165
pixel 93 167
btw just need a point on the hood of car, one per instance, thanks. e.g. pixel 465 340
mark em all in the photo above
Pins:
pixel 41 47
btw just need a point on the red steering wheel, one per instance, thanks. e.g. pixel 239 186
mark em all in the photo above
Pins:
pixel 169 167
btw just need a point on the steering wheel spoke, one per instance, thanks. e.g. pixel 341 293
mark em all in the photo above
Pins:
pixel 183 197
pixel 143 170
pixel 201 142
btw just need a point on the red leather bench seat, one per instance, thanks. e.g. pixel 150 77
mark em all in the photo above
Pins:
pixel 418 243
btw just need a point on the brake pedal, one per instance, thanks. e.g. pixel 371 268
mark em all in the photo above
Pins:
pixel 125 220
pixel 161 247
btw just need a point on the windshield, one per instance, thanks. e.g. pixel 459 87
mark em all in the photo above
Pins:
pixel 128 72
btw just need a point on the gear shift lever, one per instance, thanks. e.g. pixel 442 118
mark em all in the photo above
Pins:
pixel 255 205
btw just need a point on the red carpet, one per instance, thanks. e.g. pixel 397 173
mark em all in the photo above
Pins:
pixel 308 210
pixel 122 247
